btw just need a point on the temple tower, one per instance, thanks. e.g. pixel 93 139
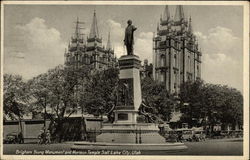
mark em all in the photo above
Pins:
pixel 175 51
pixel 76 48
pixel 90 52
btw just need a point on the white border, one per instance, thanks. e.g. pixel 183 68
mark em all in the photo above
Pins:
pixel 245 5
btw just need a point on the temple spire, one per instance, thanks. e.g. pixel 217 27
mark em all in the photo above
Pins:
pixel 77 32
pixel 179 14
pixel 94 29
pixel 190 28
pixel 109 47
pixel 166 14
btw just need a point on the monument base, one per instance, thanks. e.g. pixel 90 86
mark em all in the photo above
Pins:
pixel 123 139
pixel 141 133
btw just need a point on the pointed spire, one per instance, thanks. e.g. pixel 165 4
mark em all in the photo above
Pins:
pixel 94 29
pixel 166 14
pixel 77 28
pixel 179 14
pixel 190 28
pixel 109 47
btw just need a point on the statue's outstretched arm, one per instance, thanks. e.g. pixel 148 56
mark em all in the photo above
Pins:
pixel 134 28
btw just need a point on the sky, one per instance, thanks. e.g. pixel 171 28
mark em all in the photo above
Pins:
pixel 35 36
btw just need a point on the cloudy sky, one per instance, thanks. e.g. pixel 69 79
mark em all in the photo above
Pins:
pixel 35 36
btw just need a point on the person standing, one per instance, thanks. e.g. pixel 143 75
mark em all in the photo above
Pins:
pixel 48 141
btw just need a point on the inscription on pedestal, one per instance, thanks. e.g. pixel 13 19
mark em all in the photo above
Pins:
pixel 122 116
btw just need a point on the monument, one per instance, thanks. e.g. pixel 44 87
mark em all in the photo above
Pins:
pixel 126 133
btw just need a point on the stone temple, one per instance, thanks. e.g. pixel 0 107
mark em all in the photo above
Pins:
pixel 176 56
pixel 90 52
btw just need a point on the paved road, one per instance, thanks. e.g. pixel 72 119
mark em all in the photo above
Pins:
pixel 209 147
pixel 216 147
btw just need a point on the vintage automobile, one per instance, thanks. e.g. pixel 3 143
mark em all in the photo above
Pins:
pixel 171 136
pixel 199 135
pixel 12 138
pixel 184 134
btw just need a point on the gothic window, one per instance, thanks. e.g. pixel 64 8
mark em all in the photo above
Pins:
pixel 175 87
pixel 85 59
pixel 189 63
pixel 162 76
pixel 176 44
pixel 176 77
pixel 162 61
pixel 175 60
pixel 198 70
pixel 167 42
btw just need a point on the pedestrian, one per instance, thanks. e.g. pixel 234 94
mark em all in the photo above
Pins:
pixel 40 137
pixel 48 141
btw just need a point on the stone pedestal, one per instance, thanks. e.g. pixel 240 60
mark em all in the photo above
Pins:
pixel 130 85
pixel 125 128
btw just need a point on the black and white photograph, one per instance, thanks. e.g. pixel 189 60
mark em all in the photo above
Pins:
pixel 124 79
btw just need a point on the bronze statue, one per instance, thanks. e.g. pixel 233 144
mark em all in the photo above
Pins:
pixel 129 37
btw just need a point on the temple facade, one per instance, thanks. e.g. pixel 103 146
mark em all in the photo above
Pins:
pixel 176 56
pixel 91 52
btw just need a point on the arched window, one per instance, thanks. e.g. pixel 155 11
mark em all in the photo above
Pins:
pixel 175 60
pixel 162 77
pixel 189 63
pixel 162 63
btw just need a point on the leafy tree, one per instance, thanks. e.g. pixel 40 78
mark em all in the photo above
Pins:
pixel 210 104
pixel 192 100
pixel 59 91
pixel 15 98
pixel 161 103
pixel 99 96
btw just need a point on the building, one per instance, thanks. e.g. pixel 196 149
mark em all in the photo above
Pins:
pixel 146 70
pixel 90 52
pixel 176 57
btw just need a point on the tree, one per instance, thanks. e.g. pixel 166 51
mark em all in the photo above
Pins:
pixel 160 101
pixel 210 104
pixel 99 96
pixel 58 90
pixel 15 97
pixel 192 102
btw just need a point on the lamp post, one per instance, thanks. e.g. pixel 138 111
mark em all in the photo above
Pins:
pixel 45 112
pixel 185 104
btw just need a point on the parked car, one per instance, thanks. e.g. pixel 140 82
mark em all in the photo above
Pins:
pixel 199 135
pixel 13 137
pixel 184 134
pixel 171 136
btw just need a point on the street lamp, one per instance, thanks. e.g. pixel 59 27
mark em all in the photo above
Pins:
pixel 45 112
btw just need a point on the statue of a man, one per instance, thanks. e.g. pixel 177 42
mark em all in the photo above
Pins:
pixel 129 37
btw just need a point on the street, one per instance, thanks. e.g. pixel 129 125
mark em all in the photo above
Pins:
pixel 208 147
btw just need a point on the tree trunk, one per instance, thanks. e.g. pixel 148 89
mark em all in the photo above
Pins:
pixel 83 129
pixel 20 123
